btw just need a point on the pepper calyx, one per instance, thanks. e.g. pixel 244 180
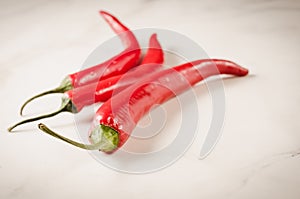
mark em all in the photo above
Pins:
pixel 105 137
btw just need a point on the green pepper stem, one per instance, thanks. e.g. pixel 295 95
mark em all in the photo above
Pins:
pixel 57 90
pixel 35 119
pixel 65 85
pixel 95 146
pixel 66 106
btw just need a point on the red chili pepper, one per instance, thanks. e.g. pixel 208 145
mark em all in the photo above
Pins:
pixel 74 100
pixel 116 118
pixel 117 65
pixel 102 91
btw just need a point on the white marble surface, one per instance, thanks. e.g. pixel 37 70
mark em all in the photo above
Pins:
pixel 258 153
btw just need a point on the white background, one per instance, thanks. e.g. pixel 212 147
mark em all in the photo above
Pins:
pixel 258 153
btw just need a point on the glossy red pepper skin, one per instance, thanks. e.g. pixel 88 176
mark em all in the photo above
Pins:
pixel 116 118
pixel 103 90
pixel 122 112
pixel 154 54
pixel 116 65
pixel 74 100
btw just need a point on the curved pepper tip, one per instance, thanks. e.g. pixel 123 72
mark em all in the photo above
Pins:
pixel 103 12
pixel 244 71
pixel 106 15
pixel 153 36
